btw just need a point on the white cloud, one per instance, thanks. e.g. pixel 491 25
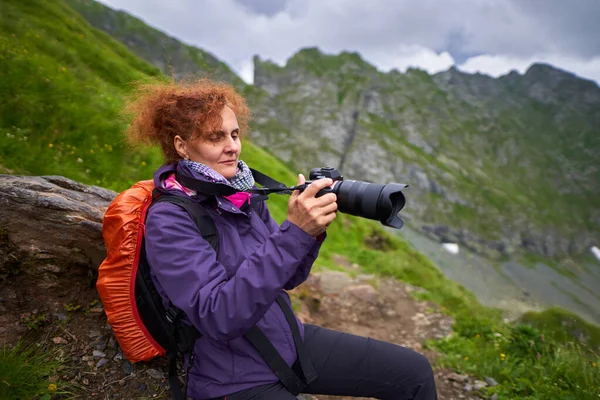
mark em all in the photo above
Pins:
pixel 403 57
pixel 500 65
pixel 429 34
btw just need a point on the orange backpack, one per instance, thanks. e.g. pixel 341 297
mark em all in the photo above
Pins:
pixel 142 325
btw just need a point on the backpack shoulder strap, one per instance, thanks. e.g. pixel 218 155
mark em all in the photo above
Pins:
pixel 197 212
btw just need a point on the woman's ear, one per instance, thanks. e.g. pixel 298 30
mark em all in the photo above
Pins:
pixel 180 147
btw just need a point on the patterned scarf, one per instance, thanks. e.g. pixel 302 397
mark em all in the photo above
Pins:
pixel 243 179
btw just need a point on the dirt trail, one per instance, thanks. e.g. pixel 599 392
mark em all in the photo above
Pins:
pixel 95 368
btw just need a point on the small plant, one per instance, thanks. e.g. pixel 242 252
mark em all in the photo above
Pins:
pixel 25 373
pixel 34 320
pixel 71 307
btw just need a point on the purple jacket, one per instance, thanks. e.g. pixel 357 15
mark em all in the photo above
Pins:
pixel 225 294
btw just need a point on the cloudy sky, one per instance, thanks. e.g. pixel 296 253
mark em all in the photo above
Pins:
pixel 489 36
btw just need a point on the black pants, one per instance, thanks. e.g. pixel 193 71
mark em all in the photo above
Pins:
pixel 350 365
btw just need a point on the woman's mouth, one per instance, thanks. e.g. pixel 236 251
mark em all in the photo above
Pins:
pixel 230 162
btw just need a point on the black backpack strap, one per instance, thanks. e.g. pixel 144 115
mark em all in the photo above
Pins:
pixel 308 369
pixel 284 372
pixel 182 335
pixel 203 220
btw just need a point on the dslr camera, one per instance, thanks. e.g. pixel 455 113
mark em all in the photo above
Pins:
pixel 380 202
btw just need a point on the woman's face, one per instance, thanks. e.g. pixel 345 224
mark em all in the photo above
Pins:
pixel 220 150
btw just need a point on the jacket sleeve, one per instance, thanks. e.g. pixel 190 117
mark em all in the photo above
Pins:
pixel 186 267
pixel 307 262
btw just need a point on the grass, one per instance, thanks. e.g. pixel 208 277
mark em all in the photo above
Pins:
pixel 63 84
pixel 25 371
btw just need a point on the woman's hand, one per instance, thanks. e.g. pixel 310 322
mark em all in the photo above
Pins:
pixel 312 214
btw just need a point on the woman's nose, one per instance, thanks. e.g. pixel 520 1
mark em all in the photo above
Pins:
pixel 232 145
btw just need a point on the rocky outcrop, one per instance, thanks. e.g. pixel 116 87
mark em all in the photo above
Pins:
pixel 486 159
pixel 49 226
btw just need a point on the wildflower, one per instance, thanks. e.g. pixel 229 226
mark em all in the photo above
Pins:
pixel 498 334
pixel 50 145
pixel 52 387
pixel 594 364
pixel 63 69
pixel 502 356
pixel 466 358
pixel 91 151
pixel 143 163
pixel 477 336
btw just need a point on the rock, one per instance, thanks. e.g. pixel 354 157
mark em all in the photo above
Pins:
pixel 98 354
pixel 61 316
pixel 118 356
pixel 56 222
pixel 453 376
pixel 59 340
pixel 366 293
pixel 94 334
pixel 333 281
pixel 101 362
pixel 491 381
pixel 468 387
pixel 155 373
pixel 101 345
pixel 478 385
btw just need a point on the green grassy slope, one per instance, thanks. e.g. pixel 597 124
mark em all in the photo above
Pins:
pixel 173 56
pixel 62 85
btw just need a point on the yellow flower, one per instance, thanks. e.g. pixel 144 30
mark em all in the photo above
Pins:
pixel 466 358
pixel 144 163
pixel 477 336
pixel 52 387
pixel 502 355
pixel 50 145
pixel 594 364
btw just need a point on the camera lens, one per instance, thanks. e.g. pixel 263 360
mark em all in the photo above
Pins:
pixel 372 201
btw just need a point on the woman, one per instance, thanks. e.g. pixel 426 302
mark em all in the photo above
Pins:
pixel 225 293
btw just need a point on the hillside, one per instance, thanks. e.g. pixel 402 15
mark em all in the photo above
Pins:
pixel 170 55
pixel 62 85
pixel 498 165
pixel 512 161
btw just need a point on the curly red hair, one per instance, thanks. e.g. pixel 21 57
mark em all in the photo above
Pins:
pixel 162 110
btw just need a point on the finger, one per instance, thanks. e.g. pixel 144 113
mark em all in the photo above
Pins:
pixel 329 208
pixel 301 181
pixel 328 219
pixel 317 185
pixel 324 200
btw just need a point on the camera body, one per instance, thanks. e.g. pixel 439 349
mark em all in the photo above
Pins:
pixel 324 172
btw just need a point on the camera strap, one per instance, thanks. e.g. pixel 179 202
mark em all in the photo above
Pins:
pixel 269 185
